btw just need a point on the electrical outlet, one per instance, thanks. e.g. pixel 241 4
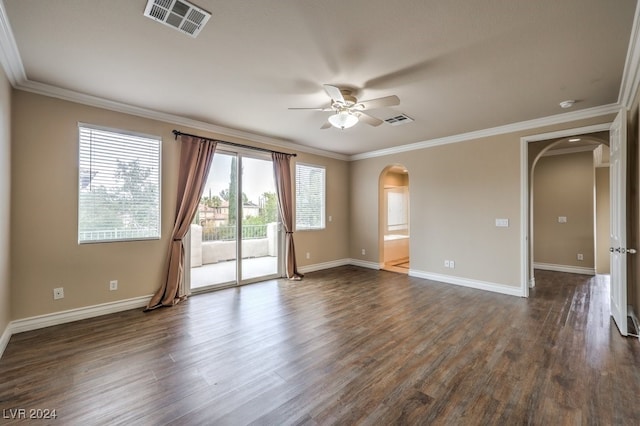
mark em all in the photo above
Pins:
pixel 308 255
pixel 452 264
pixel 363 252
pixel 580 256
pixel 58 293
pixel 446 263
pixel 113 285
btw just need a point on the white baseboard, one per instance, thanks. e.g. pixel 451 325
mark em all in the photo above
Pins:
pixel 636 323
pixel 4 339
pixel 339 262
pixel 56 318
pixel 466 282
pixel 364 264
pixel 564 268
pixel 324 265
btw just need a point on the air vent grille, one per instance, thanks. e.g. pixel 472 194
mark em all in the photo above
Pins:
pixel 397 120
pixel 179 14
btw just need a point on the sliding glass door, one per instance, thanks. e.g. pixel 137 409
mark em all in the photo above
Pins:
pixel 235 235
pixel 260 224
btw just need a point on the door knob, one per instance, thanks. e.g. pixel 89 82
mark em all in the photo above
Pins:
pixel 622 250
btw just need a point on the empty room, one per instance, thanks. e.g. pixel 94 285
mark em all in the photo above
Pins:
pixel 319 212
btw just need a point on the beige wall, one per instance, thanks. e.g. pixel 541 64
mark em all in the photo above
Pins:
pixel 603 220
pixel 5 200
pixel 457 192
pixel 563 185
pixel 331 243
pixel 45 252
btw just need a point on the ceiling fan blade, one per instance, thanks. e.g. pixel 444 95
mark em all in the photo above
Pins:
pixel 313 109
pixel 334 93
pixel 326 125
pixel 379 102
pixel 372 121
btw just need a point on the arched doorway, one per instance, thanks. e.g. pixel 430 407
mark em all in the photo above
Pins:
pixel 394 229
pixel 569 204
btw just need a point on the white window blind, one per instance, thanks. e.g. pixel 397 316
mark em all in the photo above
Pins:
pixel 310 197
pixel 119 186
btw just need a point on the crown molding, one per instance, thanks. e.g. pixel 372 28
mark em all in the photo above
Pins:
pixel 9 53
pixel 12 63
pixel 500 130
pixel 631 73
pixel 565 133
pixel 90 100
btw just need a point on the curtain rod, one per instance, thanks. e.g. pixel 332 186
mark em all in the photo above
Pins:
pixel 178 133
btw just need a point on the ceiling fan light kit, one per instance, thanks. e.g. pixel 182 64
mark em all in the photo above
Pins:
pixel 567 104
pixel 349 111
pixel 343 119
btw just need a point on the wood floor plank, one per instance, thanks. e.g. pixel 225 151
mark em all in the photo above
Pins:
pixel 344 346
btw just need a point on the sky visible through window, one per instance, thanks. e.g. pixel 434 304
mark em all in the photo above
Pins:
pixel 257 177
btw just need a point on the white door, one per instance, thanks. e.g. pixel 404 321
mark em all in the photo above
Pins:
pixel 618 228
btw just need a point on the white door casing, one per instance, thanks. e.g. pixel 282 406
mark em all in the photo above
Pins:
pixel 618 227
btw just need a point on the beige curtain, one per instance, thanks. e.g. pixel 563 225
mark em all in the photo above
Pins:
pixel 195 161
pixel 282 172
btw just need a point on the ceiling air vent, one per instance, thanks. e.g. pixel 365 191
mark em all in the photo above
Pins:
pixel 179 14
pixel 398 120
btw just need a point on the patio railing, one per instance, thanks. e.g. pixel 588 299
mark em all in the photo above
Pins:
pixel 228 232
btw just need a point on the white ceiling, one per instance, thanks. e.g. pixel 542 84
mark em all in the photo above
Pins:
pixel 457 66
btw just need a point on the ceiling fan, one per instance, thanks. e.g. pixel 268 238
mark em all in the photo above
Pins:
pixel 348 110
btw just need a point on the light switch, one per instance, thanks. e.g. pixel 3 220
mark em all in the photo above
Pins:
pixel 502 223
pixel 562 219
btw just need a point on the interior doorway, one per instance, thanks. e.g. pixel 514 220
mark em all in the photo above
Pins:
pixel 621 202
pixel 569 204
pixel 394 221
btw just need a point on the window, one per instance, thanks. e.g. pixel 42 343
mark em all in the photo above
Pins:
pixel 310 196
pixel 118 186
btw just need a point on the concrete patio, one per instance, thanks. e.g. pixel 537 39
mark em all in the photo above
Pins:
pixel 225 272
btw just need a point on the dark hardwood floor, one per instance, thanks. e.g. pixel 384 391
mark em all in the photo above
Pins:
pixel 343 346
